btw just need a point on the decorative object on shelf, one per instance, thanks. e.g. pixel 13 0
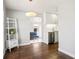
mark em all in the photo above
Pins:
pixel 12 31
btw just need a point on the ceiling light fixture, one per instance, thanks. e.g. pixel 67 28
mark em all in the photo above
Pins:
pixel 30 13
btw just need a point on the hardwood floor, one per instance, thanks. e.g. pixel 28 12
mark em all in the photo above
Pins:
pixel 36 51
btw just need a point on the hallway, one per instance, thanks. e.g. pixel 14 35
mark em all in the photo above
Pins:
pixel 36 51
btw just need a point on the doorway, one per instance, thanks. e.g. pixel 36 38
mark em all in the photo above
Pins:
pixel 36 33
pixel 51 30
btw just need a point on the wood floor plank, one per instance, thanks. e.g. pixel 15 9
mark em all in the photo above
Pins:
pixel 36 51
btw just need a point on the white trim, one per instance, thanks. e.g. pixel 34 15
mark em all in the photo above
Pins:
pixel 67 53
pixel 4 52
pixel 44 42
pixel 22 44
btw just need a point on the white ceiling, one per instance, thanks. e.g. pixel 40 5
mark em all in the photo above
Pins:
pixel 35 5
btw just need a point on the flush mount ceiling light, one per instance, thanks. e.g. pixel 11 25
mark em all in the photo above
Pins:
pixel 30 13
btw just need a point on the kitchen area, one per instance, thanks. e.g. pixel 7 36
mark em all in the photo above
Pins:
pixel 50 29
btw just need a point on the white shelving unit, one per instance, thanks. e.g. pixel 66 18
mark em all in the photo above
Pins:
pixel 12 33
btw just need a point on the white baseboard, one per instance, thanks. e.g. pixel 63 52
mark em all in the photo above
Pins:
pixel 22 44
pixel 25 44
pixel 67 53
pixel 44 42
pixel 4 52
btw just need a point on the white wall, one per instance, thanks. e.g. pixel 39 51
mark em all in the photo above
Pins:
pixel 51 18
pixel 44 32
pixel 24 24
pixel 67 27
